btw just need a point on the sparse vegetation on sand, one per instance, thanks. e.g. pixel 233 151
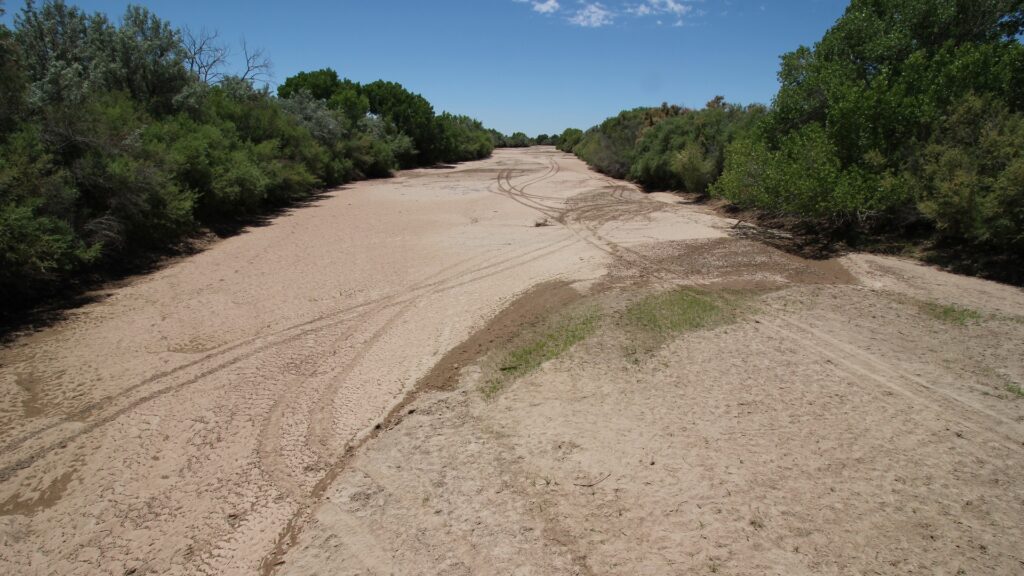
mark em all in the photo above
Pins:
pixel 547 344
pixel 951 313
pixel 680 310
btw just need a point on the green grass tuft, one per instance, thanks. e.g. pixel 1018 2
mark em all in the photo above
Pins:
pixel 680 310
pixel 951 313
pixel 1015 389
pixel 546 345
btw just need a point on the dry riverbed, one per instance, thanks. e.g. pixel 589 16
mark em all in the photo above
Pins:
pixel 518 366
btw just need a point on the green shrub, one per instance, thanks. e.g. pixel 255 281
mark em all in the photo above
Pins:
pixel 463 138
pixel 685 149
pixel 113 146
pixel 569 139
pixel 903 110
pixel 972 176
pixel 37 203
pixel 610 147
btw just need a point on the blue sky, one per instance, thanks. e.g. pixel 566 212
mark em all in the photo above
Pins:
pixel 529 65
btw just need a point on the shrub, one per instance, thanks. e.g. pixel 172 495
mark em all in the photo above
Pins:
pixel 113 145
pixel 569 139
pixel 37 242
pixel 972 176
pixel 610 146
pixel 903 111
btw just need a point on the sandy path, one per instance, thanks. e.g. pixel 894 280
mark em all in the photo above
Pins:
pixel 181 423
pixel 209 418
pixel 842 425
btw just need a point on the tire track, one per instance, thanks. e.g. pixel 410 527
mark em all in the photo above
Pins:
pixel 319 427
pixel 858 361
pixel 6 472
pixel 874 368
pixel 87 411
pixel 566 217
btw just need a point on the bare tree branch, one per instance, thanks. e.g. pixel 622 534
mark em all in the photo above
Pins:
pixel 257 63
pixel 205 57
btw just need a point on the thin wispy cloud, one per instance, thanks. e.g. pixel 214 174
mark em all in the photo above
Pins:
pixel 593 16
pixel 588 14
pixel 548 7
pixel 545 7
pixel 652 7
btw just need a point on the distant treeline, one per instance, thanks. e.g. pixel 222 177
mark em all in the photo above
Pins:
pixel 906 120
pixel 119 139
pixel 521 140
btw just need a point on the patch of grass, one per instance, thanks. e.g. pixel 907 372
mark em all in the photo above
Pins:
pixel 951 313
pixel 1015 389
pixel 547 344
pixel 682 310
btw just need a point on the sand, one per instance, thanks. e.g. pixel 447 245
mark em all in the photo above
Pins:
pixel 305 398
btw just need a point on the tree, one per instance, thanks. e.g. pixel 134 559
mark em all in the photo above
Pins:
pixel 66 53
pixel 205 56
pixel 609 147
pixel 411 113
pixel 905 111
pixel 12 81
pixel 321 84
pixel 569 139
pixel 119 138
pixel 350 100
pixel 519 140
pixel 257 63
pixel 149 59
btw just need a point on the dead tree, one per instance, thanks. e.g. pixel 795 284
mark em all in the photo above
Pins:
pixel 257 64
pixel 205 56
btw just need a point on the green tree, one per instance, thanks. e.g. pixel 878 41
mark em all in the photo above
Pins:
pixel 906 109
pixel 115 141
pixel 12 81
pixel 610 146
pixel 570 138
pixel 411 113
pixel 149 59
pixel 321 84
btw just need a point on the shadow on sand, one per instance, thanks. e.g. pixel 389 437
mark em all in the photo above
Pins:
pixel 37 312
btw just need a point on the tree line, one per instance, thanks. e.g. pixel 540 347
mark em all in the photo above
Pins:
pixel 905 120
pixel 119 139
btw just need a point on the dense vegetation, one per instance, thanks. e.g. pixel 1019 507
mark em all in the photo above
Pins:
pixel 907 117
pixel 903 109
pixel 666 147
pixel 119 139
pixel 516 140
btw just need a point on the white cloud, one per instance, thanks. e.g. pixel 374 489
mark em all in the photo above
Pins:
pixel 677 8
pixel 546 7
pixel 596 14
pixel 640 10
pixel 593 16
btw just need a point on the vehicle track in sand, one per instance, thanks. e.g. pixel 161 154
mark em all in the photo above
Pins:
pixel 213 461
pixel 787 442
pixel 98 413
pixel 305 389
pixel 853 361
